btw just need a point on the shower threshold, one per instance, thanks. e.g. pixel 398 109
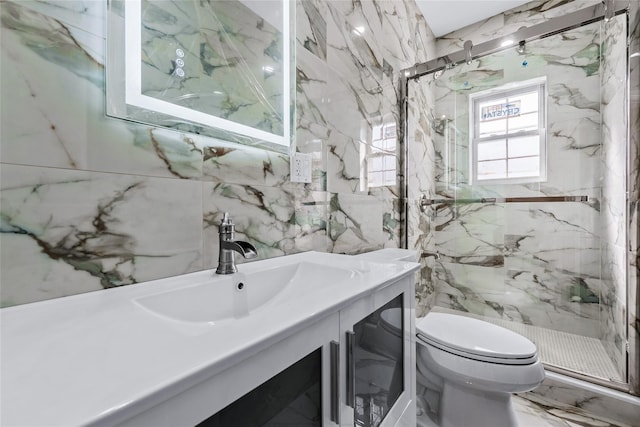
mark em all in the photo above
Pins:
pixel 584 355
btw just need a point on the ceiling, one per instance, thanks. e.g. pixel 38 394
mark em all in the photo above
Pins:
pixel 444 16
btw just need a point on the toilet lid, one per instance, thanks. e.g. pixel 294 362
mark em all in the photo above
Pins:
pixel 391 320
pixel 473 337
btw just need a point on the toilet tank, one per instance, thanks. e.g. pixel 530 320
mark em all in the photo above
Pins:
pixel 391 254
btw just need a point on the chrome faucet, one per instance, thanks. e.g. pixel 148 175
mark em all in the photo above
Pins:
pixel 228 247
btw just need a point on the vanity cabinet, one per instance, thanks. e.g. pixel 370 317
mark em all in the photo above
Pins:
pixel 271 382
pixel 377 334
pixel 319 340
pixel 347 369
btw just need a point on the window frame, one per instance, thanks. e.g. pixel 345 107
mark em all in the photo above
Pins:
pixel 505 91
pixel 373 152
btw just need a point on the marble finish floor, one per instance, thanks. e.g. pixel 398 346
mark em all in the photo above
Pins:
pixel 569 351
pixel 531 411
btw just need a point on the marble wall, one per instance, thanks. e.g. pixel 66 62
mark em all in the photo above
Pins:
pixel 527 261
pixel 90 202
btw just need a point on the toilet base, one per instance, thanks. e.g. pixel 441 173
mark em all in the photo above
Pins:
pixel 466 407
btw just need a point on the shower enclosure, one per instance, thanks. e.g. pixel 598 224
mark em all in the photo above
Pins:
pixel 516 172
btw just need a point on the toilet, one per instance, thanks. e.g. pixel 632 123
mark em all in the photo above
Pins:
pixel 467 368
pixel 470 368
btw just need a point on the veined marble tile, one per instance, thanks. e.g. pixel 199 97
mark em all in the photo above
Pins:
pixel 263 216
pixel 489 292
pixel 353 52
pixel 343 164
pixel 311 213
pixel 86 15
pixel 615 407
pixel 63 125
pixel 508 22
pixel 233 164
pixel 311 26
pixel 345 110
pixel 66 232
pixel 359 69
pixel 365 17
pixel 312 89
pixel 391 216
pixel 41 123
pixel 407 39
pixel 355 223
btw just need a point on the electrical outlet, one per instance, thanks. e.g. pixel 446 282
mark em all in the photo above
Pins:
pixel 301 167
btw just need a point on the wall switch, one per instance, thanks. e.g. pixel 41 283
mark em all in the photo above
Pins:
pixel 301 167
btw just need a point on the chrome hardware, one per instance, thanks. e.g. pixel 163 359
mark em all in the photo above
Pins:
pixel 351 370
pixel 228 247
pixel 424 202
pixel 335 381
pixel 468 45
pixel 427 254
pixel 609 9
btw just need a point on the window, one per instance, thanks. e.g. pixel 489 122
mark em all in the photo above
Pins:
pixel 381 158
pixel 508 134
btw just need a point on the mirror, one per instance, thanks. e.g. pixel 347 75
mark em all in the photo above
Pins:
pixel 220 68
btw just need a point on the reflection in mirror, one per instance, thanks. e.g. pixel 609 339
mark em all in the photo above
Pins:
pixel 219 68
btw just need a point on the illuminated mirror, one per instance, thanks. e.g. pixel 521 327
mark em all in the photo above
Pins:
pixel 220 68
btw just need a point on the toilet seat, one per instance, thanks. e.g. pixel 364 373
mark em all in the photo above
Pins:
pixel 475 339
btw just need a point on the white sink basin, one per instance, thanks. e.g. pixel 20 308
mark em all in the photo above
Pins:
pixel 227 297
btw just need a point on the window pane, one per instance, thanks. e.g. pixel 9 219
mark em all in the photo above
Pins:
pixel 524 146
pixel 488 105
pixel 376 133
pixel 528 102
pixel 501 150
pixel 493 127
pixel 494 169
pixel 390 144
pixel 389 163
pixel 375 179
pixel 375 164
pixel 492 150
pixel 523 122
pixel 524 167
pixel 389 177
pixel 390 131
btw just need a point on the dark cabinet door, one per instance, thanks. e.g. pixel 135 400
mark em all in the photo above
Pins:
pixel 375 366
pixel 292 397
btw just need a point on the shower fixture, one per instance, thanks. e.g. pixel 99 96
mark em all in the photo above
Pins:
pixel 609 9
pixel 520 48
pixel 468 45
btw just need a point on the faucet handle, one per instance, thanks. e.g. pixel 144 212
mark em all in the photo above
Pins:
pixel 226 226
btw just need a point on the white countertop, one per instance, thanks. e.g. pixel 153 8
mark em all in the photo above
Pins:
pixel 99 358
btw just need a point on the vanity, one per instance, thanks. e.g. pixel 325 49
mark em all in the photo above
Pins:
pixel 312 339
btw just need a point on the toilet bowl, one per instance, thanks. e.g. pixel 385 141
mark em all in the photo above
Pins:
pixel 469 369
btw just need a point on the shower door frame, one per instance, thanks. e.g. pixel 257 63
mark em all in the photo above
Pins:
pixel 601 11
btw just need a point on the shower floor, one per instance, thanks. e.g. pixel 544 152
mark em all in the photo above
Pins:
pixel 570 351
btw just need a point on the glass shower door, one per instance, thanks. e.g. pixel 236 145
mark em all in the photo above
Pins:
pixel 523 203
